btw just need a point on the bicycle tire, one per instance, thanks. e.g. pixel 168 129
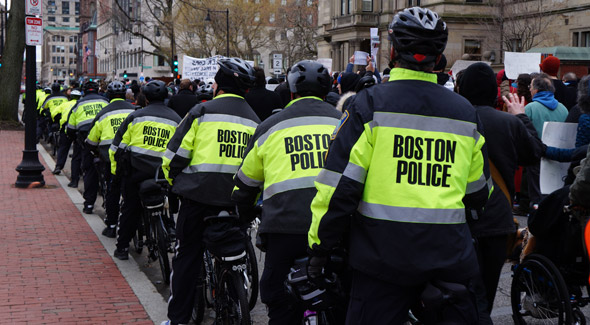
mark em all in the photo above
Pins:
pixel 162 249
pixel 138 240
pixel 200 298
pixel 252 271
pixel 235 309
pixel 538 291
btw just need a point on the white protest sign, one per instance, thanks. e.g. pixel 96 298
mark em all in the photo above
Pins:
pixel 461 65
pixel 560 135
pixel 271 87
pixel 375 44
pixel 517 63
pixel 327 63
pixel 360 58
pixel 202 69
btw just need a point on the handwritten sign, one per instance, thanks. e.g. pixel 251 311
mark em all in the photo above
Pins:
pixel 360 58
pixel 327 63
pixel 560 135
pixel 202 69
pixel 516 63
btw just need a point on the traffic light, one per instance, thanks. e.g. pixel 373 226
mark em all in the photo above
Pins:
pixel 124 74
pixel 0 61
pixel 175 63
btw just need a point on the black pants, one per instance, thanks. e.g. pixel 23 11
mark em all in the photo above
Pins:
pixel 281 252
pixel 186 264
pixel 130 212
pixel 373 301
pixel 63 149
pixel 90 177
pixel 491 254
pixel 533 183
pixel 113 195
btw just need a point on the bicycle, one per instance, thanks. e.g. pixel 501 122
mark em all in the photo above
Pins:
pixel 225 280
pixel 154 219
pixel 325 303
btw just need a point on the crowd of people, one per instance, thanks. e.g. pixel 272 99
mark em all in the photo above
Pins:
pixel 414 173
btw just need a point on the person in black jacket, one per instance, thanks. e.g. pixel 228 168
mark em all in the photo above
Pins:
pixel 182 102
pixel 283 90
pixel 511 141
pixel 262 100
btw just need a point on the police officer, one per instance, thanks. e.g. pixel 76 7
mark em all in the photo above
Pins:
pixel 61 115
pixel 284 156
pixel 100 138
pixel 79 122
pixel 136 153
pixel 54 100
pixel 200 162
pixel 53 97
pixel 406 160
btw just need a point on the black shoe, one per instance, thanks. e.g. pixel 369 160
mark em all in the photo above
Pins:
pixel 122 254
pixel 88 208
pixel 73 184
pixel 57 170
pixel 110 232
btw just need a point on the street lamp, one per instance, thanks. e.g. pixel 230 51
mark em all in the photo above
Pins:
pixel 226 11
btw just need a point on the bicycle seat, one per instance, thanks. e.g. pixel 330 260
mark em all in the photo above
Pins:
pixel 150 193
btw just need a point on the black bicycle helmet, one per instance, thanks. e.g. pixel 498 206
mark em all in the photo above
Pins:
pixel 418 35
pixel 47 90
pixel 365 82
pixel 309 78
pixel 116 88
pixel 90 87
pixel 55 87
pixel 205 91
pixel 239 70
pixel 155 90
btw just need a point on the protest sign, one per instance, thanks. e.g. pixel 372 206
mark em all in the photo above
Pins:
pixel 517 63
pixel 560 135
pixel 375 42
pixel 327 63
pixel 360 58
pixel 202 69
pixel 461 65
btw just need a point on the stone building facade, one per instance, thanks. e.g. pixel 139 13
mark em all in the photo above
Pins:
pixel 474 26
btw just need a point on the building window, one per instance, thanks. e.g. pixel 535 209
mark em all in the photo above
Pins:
pixel 516 45
pixel 367 5
pixel 52 48
pixel 51 3
pixel 413 3
pixel 71 49
pixel 65 7
pixel 66 19
pixel 77 19
pixel 53 59
pixel 272 18
pixel 76 8
pixel 473 48
pixel 581 39
pixel 50 18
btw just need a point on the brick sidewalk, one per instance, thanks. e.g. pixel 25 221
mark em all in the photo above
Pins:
pixel 53 268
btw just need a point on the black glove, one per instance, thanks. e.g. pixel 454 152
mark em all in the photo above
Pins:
pixel 315 269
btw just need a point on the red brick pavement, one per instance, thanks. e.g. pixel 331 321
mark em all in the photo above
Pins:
pixel 53 269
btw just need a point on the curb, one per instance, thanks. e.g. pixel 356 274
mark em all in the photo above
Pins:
pixel 149 297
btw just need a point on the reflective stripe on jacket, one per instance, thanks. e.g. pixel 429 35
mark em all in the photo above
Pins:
pixel 105 125
pixel 206 151
pixel 407 159
pixel 52 102
pixel 62 111
pixel 283 159
pixel 83 113
pixel 144 135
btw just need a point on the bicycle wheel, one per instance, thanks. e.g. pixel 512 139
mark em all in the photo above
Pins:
pixel 161 239
pixel 538 293
pixel 232 299
pixel 252 271
pixel 200 297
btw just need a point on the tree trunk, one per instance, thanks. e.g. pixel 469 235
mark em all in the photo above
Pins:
pixel 12 62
